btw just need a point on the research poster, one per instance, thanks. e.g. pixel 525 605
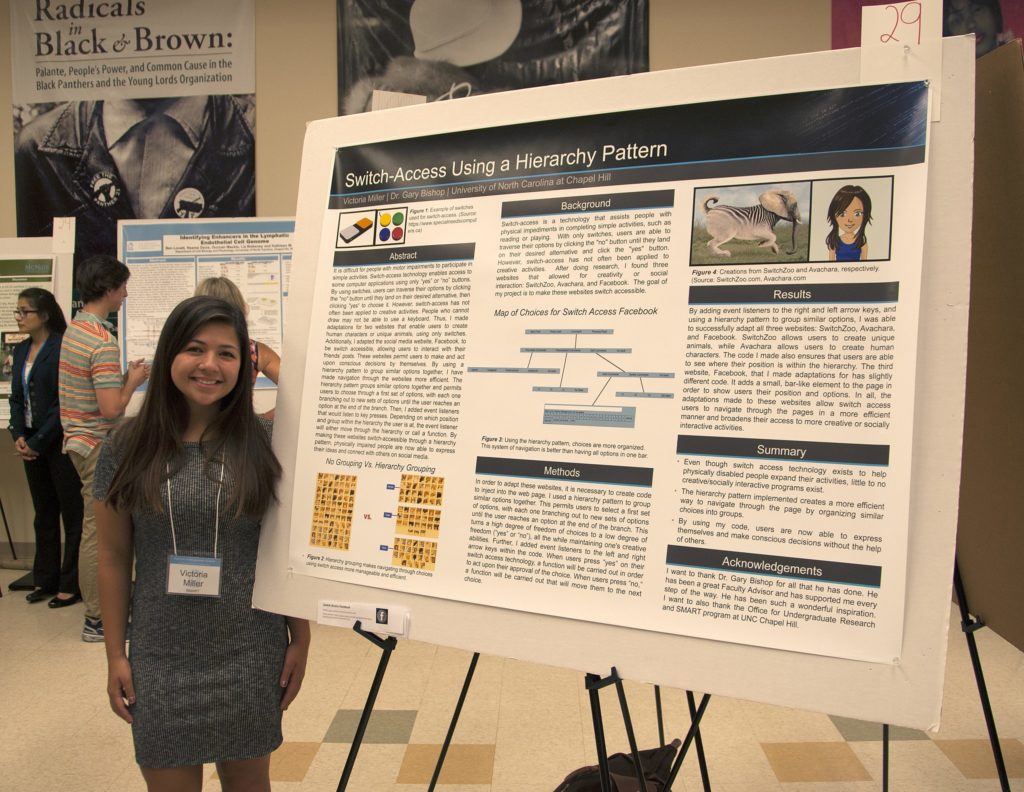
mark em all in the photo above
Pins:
pixel 652 368
pixel 169 258
pixel 17 273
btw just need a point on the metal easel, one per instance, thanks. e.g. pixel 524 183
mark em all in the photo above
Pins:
pixel 388 645
pixel 7 528
pixel 970 625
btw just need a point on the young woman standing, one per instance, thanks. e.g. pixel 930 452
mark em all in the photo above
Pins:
pixel 185 484
pixel 35 427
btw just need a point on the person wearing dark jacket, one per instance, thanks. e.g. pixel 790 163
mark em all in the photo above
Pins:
pixel 35 427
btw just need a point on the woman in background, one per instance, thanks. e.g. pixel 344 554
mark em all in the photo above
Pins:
pixel 264 359
pixel 183 488
pixel 35 427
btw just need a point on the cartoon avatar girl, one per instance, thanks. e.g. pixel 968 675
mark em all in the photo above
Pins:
pixel 849 213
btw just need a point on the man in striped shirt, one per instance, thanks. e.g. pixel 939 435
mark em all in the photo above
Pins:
pixel 93 395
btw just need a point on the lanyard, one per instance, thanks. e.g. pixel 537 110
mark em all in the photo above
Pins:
pixel 216 521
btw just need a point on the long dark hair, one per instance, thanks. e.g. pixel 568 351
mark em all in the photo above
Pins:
pixel 152 442
pixel 44 302
pixel 840 201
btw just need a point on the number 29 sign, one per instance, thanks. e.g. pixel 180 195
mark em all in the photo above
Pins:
pixel 901 24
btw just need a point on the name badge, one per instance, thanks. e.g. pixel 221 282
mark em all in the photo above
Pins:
pixel 196 576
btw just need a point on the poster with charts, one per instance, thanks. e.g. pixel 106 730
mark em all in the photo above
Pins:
pixel 653 368
pixel 17 273
pixel 168 259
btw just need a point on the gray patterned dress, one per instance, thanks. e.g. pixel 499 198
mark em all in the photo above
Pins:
pixel 206 670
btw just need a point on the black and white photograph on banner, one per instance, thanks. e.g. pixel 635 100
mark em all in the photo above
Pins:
pixel 125 159
pixel 411 51
pixel 991 22
pixel 132 116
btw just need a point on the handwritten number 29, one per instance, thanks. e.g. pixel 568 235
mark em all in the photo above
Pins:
pixel 905 14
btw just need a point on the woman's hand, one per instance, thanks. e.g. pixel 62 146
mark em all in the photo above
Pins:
pixel 136 373
pixel 22 449
pixel 294 660
pixel 120 688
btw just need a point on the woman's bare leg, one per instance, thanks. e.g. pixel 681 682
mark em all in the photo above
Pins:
pixel 173 779
pixel 245 775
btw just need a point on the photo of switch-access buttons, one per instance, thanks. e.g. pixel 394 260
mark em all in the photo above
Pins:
pixel 366 228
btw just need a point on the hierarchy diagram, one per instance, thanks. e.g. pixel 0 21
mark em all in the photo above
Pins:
pixel 584 412
pixel 417 521
pixel 417 518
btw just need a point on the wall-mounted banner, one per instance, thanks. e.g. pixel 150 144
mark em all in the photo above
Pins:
pixel 652 368
pixel 132 109
pixel 429 50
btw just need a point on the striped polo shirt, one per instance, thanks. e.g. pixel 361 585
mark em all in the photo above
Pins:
pixel 89 361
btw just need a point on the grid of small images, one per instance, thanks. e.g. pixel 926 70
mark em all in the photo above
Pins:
pixel 415 521
pixel 421 490
pixel 332 510
pixel 416 517
pixel 414 554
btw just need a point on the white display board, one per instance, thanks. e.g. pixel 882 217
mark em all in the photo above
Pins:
pixel 43 262
pixel 906 688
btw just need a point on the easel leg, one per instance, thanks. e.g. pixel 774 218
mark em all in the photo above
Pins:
pixel 698 743
pixel 885 757
pixel 661 719
pixel 690 735
pixel 7 527
pixel 630 736
pixel 388 646
pixel 970 625
pixel 455 720
pixel 593 684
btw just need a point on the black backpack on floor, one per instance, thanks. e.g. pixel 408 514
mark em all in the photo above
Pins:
pixel 656 763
